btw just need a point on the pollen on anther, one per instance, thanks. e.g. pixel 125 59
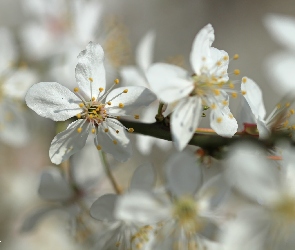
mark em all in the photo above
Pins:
pixel 237 72
pixel 216 91
pixel 79 130
pixel 213 106
pixel 78 116
pixel 292 111
pixel 136 116
pixel 93 131
pixel 90 116
pixel 234 95
pixel 225 58
pixel 288 104
pixel 101 89
pixel 131 130
pixel 219 119
pixel 90 79
pixel 76 89
pixel 117 131
pixel 93 98
pixel 125 91
pixel 116 81
pixel 219 63
pixel 244 92
pixel 98 147
pixel 121 105
pixel 236 56
pixel 106 130
pixel 109 103
pixel 81 105
pixel 231 116
pixel 244 80
pixel 225 102
pixel 231 86
pixel 115 142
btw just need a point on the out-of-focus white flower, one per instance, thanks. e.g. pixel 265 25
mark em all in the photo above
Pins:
pixel 124 233
pixel 14 128
pixel 207 87
pixel 270 224
pixel 136 76
pixel 280 66
pixel 278 118
pixel 97 111
pixel 181 216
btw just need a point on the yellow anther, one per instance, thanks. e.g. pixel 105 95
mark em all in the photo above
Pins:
pixel 216 91
pixel 136 116
pixel 121 105
pixel 219 119
pixel 101 89
pixel 117 131
pixel 93 98
pixel 292 111
pixel 97 110
pixel 90 79
pixel 131 130
pixel 236 56
pixel 106 130
pixel 234 95
pixel 76 89
pixel 118 117
pixel 225 102
pixel 115 142
pixel 219 63
pixel 79 130
pixel 231 85
pixel 225 58
pixel 78 116
pixel 90 116
pixel 244 92
pixel 125 91
pixel 81 105
pixel 213 106
pixel 116 81
pixel 93 130
pixel 94 112
pixel 109 103
pixel 288 104
pixel 279 106
pixel 237 72
pixel 98 147
pixel 231 116
pixel 244 80
pixel 293 127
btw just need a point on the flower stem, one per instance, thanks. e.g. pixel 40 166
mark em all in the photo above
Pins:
pixel 109 173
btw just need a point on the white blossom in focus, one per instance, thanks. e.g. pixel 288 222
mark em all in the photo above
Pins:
pixel 136 76
pixel 97 111
pixel 207 87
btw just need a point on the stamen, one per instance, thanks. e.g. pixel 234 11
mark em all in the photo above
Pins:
pixel 236 56
pixel 234 95
pixel 244 80
pixel 109 103
pixel 106 130
pixel 93 130
pixel 121 105
pixel 219 119
pixel 131 130
pixel 125 91
pixel 81 105
pixel 98 147
pixel 79 130
pixel 237 72
pixel 76 89
pixel 115 142
pixel 78 116
pixel 244 92
pixel 116 81
pixel 136 116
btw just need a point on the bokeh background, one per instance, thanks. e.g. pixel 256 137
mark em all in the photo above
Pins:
pixel 238 28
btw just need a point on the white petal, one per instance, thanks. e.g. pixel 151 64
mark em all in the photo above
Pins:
pixel 103 208
pixel 245 114
pixel 254 97
pixel 53 186
pixel 68 142
pixel 212 63
pixel 222 121
pixel 183 174
pixel 90 68
pixel 140 207
pixel 145 50
pixel 132 76
pixel 144 178
pixel 146 143
pixel 52 100
pixel 185 120
pixel 18 84
pixel 8 49
pixel 279 69
pixel 201 48
pixel 282 29
pixel 250 172
pixel 170 83
pixel 264 131
pixel 122 150
pixel 135 98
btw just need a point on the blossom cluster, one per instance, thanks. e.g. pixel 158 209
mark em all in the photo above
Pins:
pixel 225 187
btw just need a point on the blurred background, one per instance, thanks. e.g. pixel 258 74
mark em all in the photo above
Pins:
pixel 120 26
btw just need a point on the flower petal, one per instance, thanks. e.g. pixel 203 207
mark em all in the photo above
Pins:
pixel 8 49
pixel 132 76
pixel 68 142
pixel 140 207
pixel 116 144
pixel 90 72
pixel 169 82
pixel 282 29
pixel 135 98
pixel 216 64
pixel 183 174
pixel 185 120
pixel 52 100
pixel 201 48
pixel 144 178
pixel 144 51
pixel 223 122
pixel 254 97
pixel 103 208
pixel 53 186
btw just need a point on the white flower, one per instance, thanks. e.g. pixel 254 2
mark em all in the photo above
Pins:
pixel 180 216
pixel 136 76
pixel 270 224
pixel 97 111
pixel 280 66
pixel 205 88
pixel 277 119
